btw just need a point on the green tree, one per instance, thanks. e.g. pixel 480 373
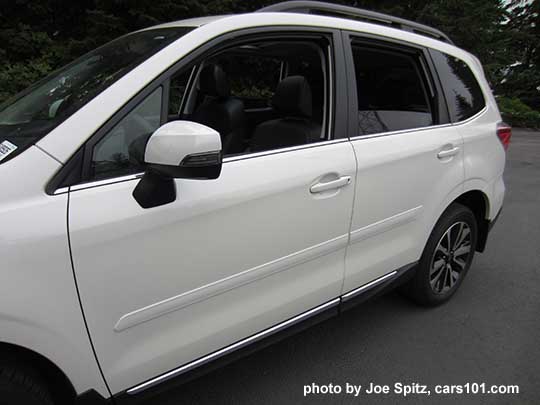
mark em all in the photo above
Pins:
pixel 521 76
pixel 39 36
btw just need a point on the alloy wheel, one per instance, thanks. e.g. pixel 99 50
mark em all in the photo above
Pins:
pixel 450 258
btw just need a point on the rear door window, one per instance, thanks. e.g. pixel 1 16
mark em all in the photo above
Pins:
pixel 392 91
pixel 462 91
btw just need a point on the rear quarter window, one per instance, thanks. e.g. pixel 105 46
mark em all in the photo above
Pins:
pixel 463 93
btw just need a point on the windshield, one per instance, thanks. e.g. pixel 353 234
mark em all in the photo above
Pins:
pixel 31 114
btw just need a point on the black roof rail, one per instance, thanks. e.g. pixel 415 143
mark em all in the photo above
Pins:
pixel 338 10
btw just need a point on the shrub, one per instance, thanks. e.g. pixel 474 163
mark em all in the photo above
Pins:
pixel 517 113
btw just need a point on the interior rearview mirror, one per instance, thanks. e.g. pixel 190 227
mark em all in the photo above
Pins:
pixel 177 150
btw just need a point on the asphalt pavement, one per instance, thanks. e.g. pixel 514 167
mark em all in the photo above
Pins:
pixel 488 333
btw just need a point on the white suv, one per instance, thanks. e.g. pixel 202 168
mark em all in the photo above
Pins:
pixel 190 189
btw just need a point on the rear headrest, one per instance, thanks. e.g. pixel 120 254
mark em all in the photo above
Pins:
pixel 293 97
pixel 213 81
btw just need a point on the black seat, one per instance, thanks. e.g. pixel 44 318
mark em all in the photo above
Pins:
pixel 293 103
pixel 221 111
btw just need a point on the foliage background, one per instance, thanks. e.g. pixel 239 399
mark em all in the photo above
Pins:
pixel 39 36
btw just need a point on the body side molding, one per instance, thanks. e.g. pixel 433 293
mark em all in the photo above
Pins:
pixel 385 224
pixel 229 283
pixel 338 304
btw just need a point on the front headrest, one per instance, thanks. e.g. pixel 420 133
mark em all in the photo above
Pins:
pixel 293 97
pixel 213 81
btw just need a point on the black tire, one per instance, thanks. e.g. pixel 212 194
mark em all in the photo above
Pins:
pixel 435 283
pixel 22 385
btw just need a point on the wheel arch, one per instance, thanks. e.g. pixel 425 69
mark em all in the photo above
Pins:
pixel 61 387
pixel 477 201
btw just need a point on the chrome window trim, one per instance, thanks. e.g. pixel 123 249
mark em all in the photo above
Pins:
pixel 83 186
pixel 98 183
pixel 401 131
pixel 121 179
pixel 473 117
pixel 62 190
pixel 284 150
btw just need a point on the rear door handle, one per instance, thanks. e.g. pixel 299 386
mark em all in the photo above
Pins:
pixel 448 152
pixel 330 185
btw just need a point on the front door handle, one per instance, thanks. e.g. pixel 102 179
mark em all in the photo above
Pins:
pixel 448 152
pixel 330 185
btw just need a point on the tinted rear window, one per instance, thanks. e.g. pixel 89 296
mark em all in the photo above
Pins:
pixel 463 93
pixel 390 91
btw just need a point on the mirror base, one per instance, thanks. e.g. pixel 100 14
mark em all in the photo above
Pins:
pixel 154 190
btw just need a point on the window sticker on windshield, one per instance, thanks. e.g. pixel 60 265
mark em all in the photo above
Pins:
pixel 6 148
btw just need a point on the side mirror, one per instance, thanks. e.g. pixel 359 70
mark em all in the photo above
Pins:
pixel 178 149
pixel 184 150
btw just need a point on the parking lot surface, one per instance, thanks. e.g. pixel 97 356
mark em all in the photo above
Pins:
pixel 488 333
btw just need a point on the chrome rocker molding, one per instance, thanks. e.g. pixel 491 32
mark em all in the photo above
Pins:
pixel 233 347
pixel 350 298
pixel 365 287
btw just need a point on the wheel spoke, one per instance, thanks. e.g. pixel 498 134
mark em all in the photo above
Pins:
pixel 452 277
pixel 442 280
pixel 462 235
pixel 449 239
pixel 443 250
pixel 437 278
pixel 462 250
pixel 446 282
pixel 458 236
pixel 437 266
pixel 460 263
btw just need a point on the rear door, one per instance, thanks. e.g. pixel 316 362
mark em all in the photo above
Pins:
pixel 229 258
pixel 409 157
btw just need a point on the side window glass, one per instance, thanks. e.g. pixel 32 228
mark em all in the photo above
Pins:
pixel 463 93
pixel 121 151
pixel 240 95
pixel 391 91
pixel 253 79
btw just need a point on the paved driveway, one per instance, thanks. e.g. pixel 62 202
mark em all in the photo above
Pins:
pixel 488 333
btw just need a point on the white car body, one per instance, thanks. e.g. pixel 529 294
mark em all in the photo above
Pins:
pixel 115 295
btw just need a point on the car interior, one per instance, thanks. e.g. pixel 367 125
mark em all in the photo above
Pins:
pixel 259 96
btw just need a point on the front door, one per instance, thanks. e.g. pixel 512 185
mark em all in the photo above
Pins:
pixel 230 257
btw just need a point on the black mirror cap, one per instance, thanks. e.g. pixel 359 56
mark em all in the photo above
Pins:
pixel 200 166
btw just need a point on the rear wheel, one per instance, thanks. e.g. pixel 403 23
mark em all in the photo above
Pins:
pixel 22 385
pixel 446 258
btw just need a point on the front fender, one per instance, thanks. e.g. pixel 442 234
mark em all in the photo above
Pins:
pixel 39 304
